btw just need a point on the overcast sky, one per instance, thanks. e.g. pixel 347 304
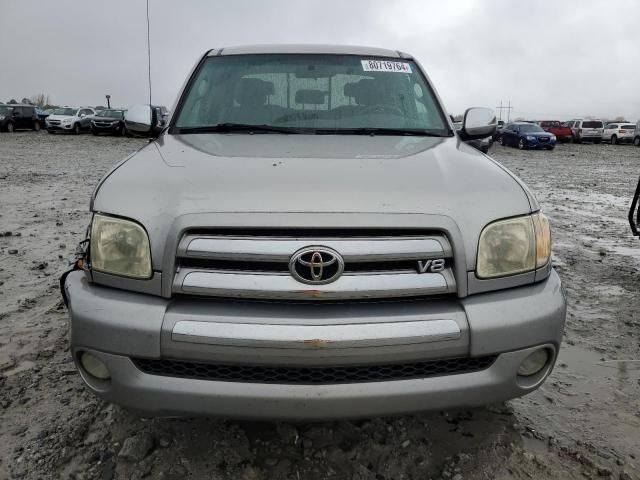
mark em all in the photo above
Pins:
pixel 552 59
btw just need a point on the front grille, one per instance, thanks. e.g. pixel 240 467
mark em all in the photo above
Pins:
pixel 255 264
pixel 54 122
pixel 543 139
pixel 312 375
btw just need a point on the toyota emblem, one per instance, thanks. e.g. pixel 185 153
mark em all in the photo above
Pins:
pixel 316 265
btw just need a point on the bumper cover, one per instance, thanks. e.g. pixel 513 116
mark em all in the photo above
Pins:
pixel 117 325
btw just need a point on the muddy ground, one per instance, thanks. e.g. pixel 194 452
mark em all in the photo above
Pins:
pixel 583 423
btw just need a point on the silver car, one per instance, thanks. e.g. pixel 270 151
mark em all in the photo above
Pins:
pixel 308 238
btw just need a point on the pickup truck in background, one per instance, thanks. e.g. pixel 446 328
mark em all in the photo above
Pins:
pixel 561 130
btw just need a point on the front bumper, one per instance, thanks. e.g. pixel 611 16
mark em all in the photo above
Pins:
pixel 111 129
pixel 60 128
pixel 539 144
pixel 118 326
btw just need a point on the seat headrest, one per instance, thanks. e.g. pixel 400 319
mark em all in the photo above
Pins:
pixel 310 97
pixel 367 91
pixel 253 91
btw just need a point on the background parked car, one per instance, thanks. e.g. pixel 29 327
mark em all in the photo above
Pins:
pixel 70 119
pixel 620 132
pixel 560 129
pixel 42 116
pixel 108 121
pixel 18 117
pixel 587 130
pixel 527 135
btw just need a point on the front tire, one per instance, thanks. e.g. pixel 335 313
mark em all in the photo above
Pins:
pixel 10 127
pixel 501 141
pixel 76 129
pixel 36 126
pixel 636 141
pixel 614 140
pixel 521 144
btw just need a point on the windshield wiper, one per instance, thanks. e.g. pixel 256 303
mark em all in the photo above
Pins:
pixel 230 127
pixel 382 131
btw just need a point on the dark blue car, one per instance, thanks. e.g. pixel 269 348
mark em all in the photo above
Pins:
pixel 527 135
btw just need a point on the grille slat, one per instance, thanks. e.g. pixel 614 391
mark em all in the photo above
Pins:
pixel 312 375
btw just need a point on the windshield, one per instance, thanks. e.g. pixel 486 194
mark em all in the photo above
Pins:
pixel 4 109
pixel 65 111
pixel 591 124
pixel 310 93
pixel 111 113
pixel 531 128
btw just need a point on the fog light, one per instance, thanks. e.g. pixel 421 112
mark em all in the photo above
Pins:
pixel 535 362
pixel 94 366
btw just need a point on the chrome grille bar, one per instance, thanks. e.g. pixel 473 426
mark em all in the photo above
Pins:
pixel 270 249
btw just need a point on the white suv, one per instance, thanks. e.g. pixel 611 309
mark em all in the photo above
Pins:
pixel 586 130
pixel 70 119
pixel 618 132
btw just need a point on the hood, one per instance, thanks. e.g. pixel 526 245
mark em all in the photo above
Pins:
pixel 60 117
pixel 324 180
pixel 537 134
pixel 105 119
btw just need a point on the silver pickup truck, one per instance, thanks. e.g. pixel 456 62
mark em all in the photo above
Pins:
pixel 308 238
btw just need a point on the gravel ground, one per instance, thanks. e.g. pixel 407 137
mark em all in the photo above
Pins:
pixel 583 423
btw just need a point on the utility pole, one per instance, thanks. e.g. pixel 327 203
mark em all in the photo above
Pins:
pixel 508 108
pixel 108 103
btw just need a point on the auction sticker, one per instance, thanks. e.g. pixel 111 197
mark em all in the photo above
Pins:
pixel 385 66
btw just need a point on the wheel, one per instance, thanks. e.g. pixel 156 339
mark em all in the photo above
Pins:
pixel 614 140
pixel 36 126
pixel 501 141
pixel 76 129
pixel 10 127
pixel 636 141
pixel 521 144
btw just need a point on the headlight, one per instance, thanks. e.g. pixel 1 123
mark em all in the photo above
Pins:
pixel 119 247
pixel 2 117
pixel 553 137
pixel 530 137
pixel 512 246
pixel 66 120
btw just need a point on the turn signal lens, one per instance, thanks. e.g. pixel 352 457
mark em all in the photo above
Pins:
pixel 543 239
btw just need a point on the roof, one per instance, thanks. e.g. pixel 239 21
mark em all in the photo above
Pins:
pixel 307 48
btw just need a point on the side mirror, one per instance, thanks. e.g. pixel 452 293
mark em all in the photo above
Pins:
pixel 82 115
pixel 138 120
pixel 478 123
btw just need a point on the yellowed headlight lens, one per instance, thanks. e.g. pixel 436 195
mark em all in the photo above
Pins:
pixel 506 247
pixel 119 247
pixel 543 239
